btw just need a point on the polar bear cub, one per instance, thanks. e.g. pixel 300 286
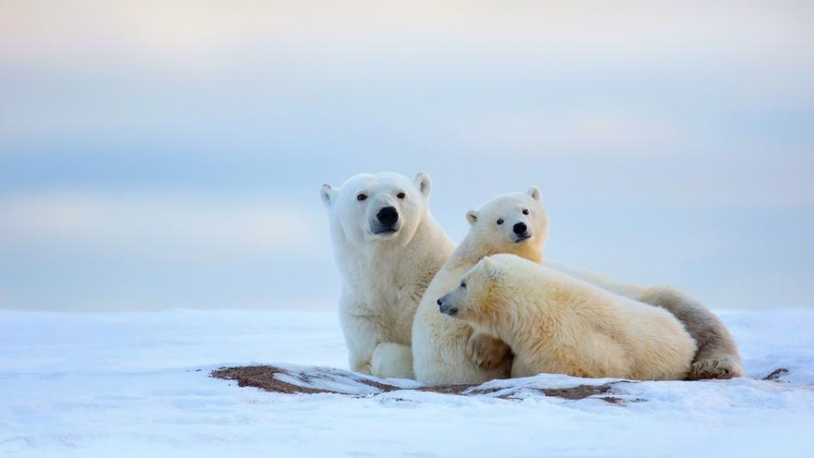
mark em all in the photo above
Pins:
pixel 558 324
pixel 446 351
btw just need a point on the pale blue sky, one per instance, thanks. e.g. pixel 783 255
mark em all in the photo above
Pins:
pixel 168 154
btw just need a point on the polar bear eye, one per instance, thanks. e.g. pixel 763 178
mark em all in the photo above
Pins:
pixel 361 197
pixel 500 221
pixel 463 284
pixel 401 195
pixel 525 212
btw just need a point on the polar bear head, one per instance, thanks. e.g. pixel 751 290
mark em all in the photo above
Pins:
pixel 487 288
pixel 514 223
pixel 377 208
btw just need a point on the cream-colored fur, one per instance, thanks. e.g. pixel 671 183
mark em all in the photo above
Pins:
pixel 558 324
pixel 446 351
pixel 717 356
pixel 383 275
pixel 442 346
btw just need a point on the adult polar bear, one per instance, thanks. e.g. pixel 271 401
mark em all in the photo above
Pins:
pixel 388 248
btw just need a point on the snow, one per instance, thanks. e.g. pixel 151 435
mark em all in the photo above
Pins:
pixel 137 384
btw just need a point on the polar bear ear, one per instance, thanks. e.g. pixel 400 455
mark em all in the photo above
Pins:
pixel 328 194
pixel 424 184
pixel 472 217
pixel 534 192
pixel 490 267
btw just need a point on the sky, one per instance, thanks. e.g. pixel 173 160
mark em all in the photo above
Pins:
pixel 169 154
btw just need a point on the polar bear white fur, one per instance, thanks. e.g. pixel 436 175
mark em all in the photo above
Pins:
pixel 385 275
pixel 717 356
pixel 387 247
pixel 446 350
pixel 558 324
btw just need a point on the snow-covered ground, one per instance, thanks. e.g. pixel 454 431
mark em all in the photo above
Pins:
pixel 137 384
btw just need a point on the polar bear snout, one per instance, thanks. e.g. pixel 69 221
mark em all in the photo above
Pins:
pixel 388 216
pixel 445 308
pixel 387 221
pixel 521 232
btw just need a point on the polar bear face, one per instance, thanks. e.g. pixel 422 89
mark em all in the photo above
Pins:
pixel 384 207
pixel 491 291
pixel 472 299
pixel 515 223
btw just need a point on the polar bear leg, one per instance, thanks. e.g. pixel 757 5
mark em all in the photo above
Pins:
pixel 488 352
pixel 440 352
pixel 717 356
pixel 392 360
pixel 362 336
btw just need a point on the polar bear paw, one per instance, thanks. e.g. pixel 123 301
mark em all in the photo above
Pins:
pixel 392 360
pixel 722 366
pixel 488 352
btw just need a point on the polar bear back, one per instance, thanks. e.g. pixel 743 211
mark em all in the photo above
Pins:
pixel 579 329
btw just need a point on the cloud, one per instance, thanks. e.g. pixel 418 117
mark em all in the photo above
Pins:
pixel 192 29
pixel 180 72
pixel 156 226
pixel 603 132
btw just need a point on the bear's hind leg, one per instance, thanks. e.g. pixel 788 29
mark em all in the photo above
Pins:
pixel 717 356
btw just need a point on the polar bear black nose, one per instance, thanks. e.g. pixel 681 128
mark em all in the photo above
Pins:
pixel 388 215
pixel 520 228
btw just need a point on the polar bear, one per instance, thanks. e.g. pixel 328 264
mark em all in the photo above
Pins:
pixel 558 324
pixel 387 247
pixel 446 351
pixel 387 263
pixel 717 356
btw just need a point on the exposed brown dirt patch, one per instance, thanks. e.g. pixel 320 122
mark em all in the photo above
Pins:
pixel 268 379
pixel 776 374
pixel 262 377
pixel 578 392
